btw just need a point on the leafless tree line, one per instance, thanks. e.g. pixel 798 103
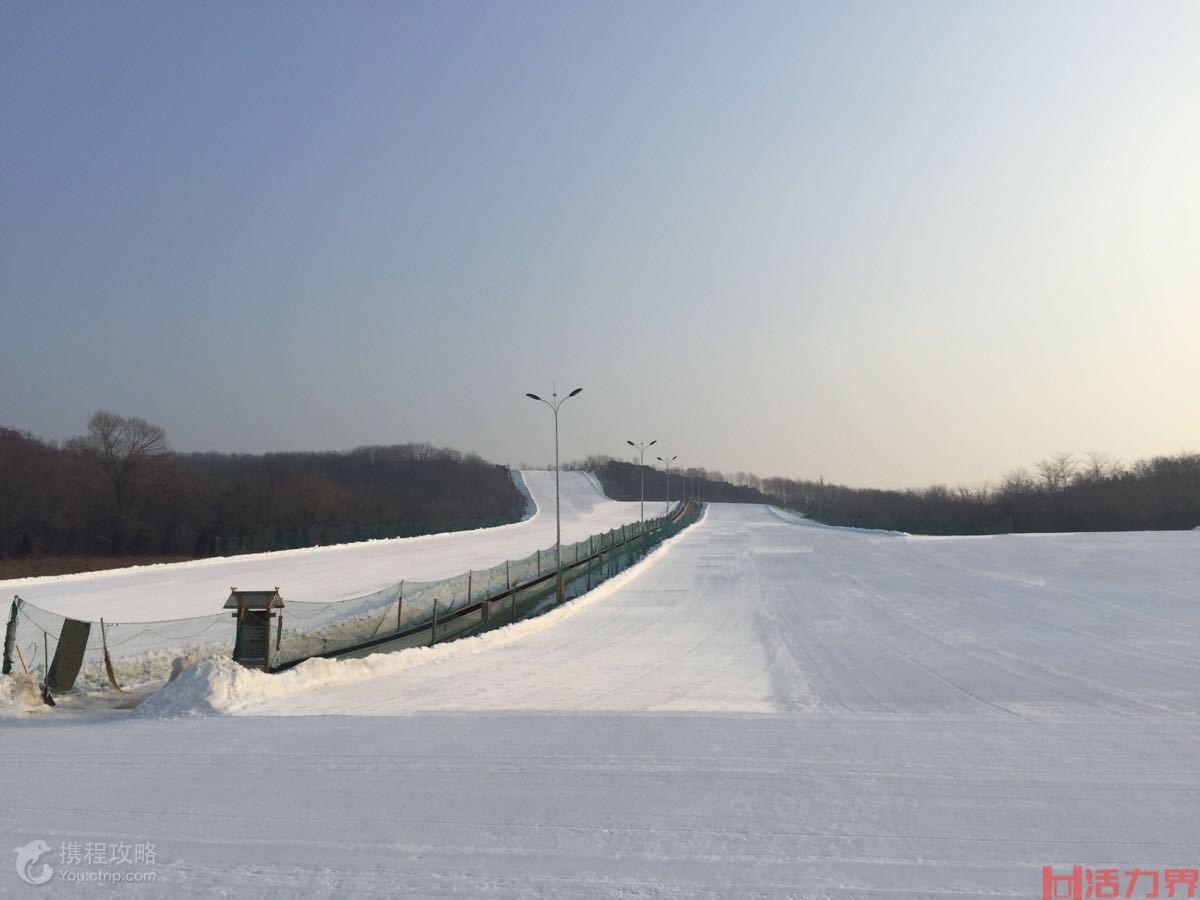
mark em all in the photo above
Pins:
pixel 1065 492
pixel 120 489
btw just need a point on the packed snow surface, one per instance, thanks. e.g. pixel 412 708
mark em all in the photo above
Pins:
pixel 327 574
pixel 762 708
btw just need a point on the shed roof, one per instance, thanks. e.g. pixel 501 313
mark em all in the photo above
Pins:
pixel 254 599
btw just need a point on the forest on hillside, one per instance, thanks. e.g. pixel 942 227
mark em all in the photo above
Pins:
pixel 120 490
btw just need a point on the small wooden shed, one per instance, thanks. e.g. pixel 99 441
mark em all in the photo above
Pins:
pixel 254 611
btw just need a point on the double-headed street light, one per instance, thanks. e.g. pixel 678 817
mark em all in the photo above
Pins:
pixel 554 403
pixel 667 464
pixel 641 449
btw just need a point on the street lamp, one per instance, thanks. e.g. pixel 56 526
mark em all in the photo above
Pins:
pixel 554 403
pixel 641 448
pixel 667 463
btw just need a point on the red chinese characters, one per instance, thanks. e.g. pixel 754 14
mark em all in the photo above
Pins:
pixel 1093 884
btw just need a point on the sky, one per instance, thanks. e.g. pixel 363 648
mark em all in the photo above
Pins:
pixel 885 244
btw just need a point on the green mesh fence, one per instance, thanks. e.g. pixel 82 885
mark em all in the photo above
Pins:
pixel 403 614
pixel 140 651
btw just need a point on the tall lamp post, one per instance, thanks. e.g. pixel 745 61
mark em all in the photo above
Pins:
pixel 667 464
pixel 554 403
pixel 641 449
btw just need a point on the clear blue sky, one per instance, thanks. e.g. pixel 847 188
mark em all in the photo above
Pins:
pixel 884 243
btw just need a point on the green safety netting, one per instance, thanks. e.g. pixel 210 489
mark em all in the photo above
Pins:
pixel 396 616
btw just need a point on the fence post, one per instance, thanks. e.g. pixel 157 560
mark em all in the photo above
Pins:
pixel 10 634
pixel 433 630
pixel 485 606
pixel 512 597
pixel 399 604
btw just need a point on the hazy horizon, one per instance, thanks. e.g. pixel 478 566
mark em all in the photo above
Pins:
pixel 889 246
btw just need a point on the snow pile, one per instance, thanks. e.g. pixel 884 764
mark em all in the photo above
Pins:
pixel 19 694
pixel 219 686
pixel 153 667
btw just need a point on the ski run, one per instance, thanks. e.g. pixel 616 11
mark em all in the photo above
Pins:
pixel 763 707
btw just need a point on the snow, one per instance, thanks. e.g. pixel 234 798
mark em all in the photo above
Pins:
pixel 19 694
pixel 760 611
pixel 214 686
pixel 763 708
pixel 326 574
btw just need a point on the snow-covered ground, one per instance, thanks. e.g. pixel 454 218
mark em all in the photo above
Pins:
pixel 764 707
pixel 326 574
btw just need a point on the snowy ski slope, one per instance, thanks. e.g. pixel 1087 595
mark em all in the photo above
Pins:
pixel 324 574
pixel 763 708
pixel 758 611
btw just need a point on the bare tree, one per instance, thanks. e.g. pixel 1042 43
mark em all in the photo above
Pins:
pixel 1058 471
pixel 1099 466
pixel 128 451
pixel 1016 483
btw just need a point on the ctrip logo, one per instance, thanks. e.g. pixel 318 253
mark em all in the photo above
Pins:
pixel 26 862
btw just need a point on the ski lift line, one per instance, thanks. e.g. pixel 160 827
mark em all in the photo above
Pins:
pixel 458 614
pixel 123 634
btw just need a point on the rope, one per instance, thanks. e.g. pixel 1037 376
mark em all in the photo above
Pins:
pixel 166 637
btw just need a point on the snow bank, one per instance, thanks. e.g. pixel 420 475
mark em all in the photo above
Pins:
pixel 219 686
pixel 143 670
pixel 19 694
pixel 531 506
